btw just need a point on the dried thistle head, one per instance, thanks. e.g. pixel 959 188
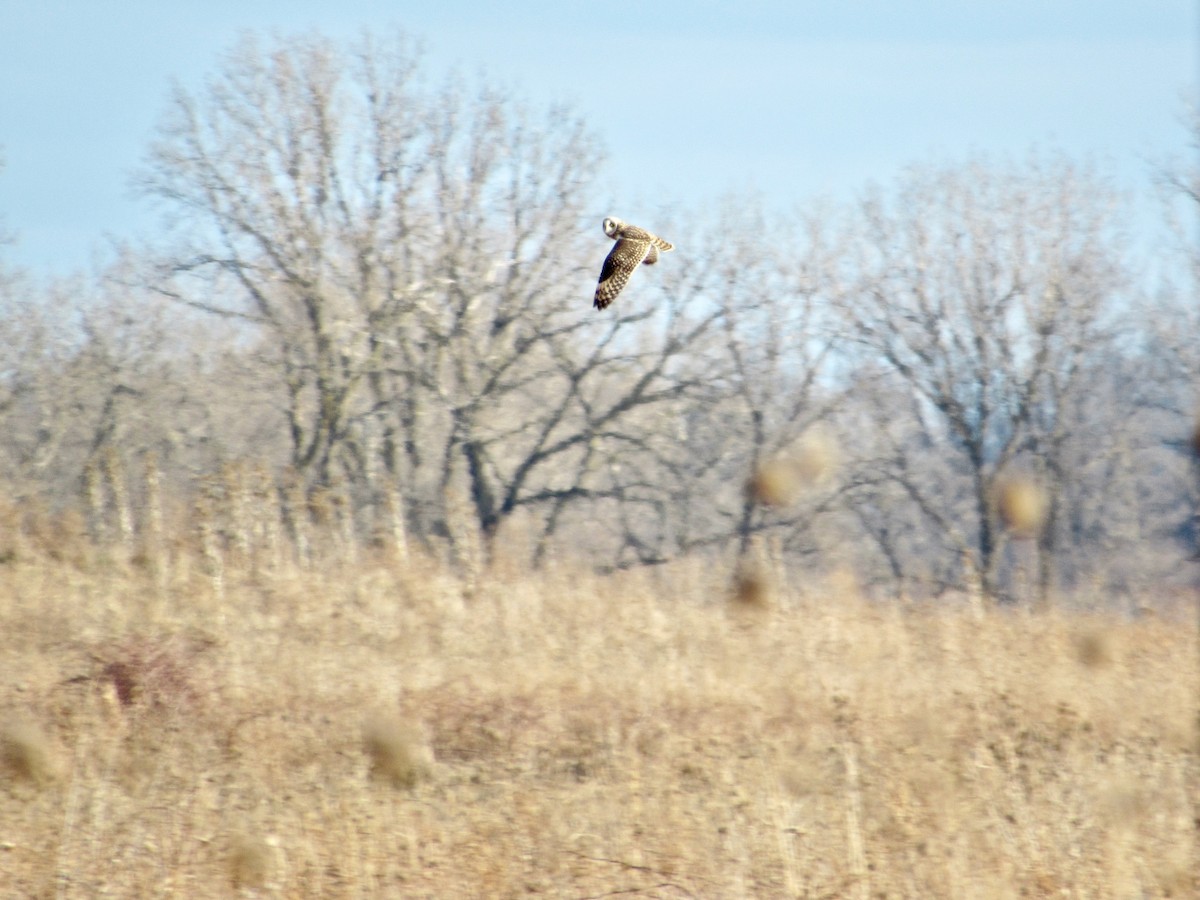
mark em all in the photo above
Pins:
pixel 780 480
pixel 774 483
pixel 751 590
pixel 1091 649
pixel 1124 803
pixel 26 754
pixel 1022 505
pixel 815 457
pixel 250 860
pixel 398 751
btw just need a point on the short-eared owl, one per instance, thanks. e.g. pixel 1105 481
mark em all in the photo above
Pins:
pixel 634 246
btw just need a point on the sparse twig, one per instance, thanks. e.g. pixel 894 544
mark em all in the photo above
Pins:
pixel 632 867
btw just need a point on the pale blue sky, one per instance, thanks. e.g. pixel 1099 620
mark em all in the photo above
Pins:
pixel 692 99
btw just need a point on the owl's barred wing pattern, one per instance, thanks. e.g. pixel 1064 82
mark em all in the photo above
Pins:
pixel 626 255
pixel 634 247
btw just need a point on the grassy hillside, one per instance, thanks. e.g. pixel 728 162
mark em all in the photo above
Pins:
pixel 376 728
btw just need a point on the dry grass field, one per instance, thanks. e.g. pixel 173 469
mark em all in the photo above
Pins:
pixel 373 728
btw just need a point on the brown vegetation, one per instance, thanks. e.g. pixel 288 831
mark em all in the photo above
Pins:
pixel 345 551
pixel 570 735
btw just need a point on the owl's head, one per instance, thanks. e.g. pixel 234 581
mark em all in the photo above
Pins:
pixel 612 226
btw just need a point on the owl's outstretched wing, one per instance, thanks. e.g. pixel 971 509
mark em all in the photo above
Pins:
pixel 626 255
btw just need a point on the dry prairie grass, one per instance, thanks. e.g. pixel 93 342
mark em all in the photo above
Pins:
pixel 372 730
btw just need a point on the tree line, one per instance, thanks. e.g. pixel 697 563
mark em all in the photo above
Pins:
pixel 375 287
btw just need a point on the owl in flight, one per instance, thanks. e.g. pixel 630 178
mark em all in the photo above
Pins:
pixel 634 246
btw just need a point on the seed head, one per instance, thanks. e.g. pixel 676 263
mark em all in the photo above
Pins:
pixel 1023 505
pixel 397 750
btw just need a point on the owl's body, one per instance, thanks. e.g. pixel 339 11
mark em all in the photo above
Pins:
pixel 634 247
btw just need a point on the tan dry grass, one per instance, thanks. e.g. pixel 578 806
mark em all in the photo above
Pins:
pixel 570 736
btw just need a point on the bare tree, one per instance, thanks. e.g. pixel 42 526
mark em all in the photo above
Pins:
pixel 104 393
pixel 754 449
pixel 409 262
pixel 1176 321
pixel 986 295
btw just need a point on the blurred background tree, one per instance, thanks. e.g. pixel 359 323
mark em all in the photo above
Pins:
pixel 370 305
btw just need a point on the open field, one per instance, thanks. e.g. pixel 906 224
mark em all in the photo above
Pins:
pixel 378 729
